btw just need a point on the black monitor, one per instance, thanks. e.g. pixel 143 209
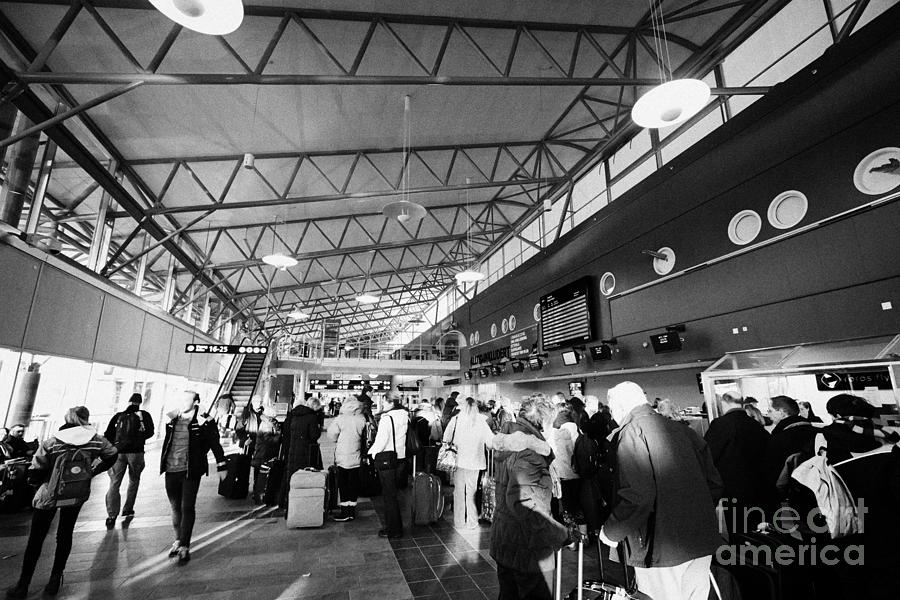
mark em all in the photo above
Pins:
pixel 496 369
pixel 535 363
pixel 571 358
pixel 602 352
pixel 467 375
pixel 669 341
pixel 483 372
pixel 518 367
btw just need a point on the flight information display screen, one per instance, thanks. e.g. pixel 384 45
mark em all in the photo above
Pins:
pixel 355 385
pixel 566 315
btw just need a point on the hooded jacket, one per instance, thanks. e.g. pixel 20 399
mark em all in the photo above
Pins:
pixel 203 436
pixel 524 535
pixel 300 431
pixel 67 438
pixel 134 445
pixel 562 439
pixel 666 492
pixel 347 431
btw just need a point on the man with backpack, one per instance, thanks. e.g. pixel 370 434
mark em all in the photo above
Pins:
pixel 127 430
pixel 63 465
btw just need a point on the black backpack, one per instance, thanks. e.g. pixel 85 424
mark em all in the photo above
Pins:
pixel 587 456
pixel 129 429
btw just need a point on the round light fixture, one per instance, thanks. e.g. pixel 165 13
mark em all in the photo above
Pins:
pixel 469 276
pixel 280 261
pixel 368 299
pixel 670 103
pixel 298 315
pixel 404 211
pixel 212 17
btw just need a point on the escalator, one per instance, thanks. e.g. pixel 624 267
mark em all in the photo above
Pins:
pixel 246 379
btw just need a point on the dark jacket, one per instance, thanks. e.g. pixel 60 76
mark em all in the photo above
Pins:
pixel 266 440
pixel 524 536
pixel 203 436
pixel 738 444
pixel 17 447
pixel 790 436
pixel 300 431
pixel 666 492
pixel 134 445
pixel 843 441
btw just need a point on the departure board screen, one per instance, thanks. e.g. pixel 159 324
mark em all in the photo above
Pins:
pixel 566 315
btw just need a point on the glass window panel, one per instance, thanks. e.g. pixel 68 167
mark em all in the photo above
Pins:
pixel 643 170
pixel 691 136
pixel 630 152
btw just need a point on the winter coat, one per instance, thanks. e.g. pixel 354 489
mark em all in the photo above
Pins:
pixel 347 431
pixel 790 436
pixel 135 445
pixel 843 441
pixel 524 535
pixel 666 492
pixel 300 431
pixel 266 440
pixel 203 436
pixel 562 439
pixel 67 438
pixel 383 439
pixel 470 441
pixel 738 443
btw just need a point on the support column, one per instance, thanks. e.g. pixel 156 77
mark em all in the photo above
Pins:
pixel 169 289
pixel 40 189
pixel 142 266
pixel 20 163
pixel 102 231
pixel 205 314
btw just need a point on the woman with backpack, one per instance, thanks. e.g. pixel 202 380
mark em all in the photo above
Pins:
pixel 63 465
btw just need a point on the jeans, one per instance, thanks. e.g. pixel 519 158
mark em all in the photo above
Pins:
pixel 392 519
pixel 348 484
pixel 40 526
pixel 134 462
pixel 520 585
pixel 182 493
pixel 465 482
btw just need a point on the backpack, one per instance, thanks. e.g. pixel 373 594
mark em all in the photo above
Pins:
pixel 587 456
pixel 70 481
pixel 832 495
pixel 129 429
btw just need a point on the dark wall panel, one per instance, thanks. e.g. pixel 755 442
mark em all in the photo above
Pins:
pixel 118 339
pixel 65 316
pixel 180 361
pixel 156 340
pixel 18 280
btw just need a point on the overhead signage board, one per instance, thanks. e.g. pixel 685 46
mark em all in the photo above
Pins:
pixel 350 385
pixel 522 342
pixel 566 315
pixel 224 349
pixel 830 381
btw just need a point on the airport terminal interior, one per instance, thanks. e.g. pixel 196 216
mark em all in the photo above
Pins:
pixel 484 299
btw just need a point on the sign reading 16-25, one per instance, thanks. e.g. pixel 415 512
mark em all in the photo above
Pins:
pixel 224 349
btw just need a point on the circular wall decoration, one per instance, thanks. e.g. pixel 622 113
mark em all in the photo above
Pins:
pixel 504 326
pixel 472 339
pixel 477 337
pixel 664 267
pixel 879 172
pixel 787 209
pixel 607 283
pixel 537 312
pixel 744 227
pixel 512 322
pixel 493 330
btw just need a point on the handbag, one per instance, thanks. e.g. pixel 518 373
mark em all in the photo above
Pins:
pixel 447 455
pixel 386 460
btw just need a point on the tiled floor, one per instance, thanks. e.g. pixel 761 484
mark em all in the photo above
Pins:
pixel 243 551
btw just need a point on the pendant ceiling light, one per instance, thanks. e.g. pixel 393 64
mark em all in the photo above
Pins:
pixel 278 260
pixel 212 17
pixel 298 315
pixel 673 101
pixel 469 274
pixel 366 298
pixel 405 210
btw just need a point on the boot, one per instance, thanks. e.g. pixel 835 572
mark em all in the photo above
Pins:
pixel 352 510
pixel 52 587
pixel 344 516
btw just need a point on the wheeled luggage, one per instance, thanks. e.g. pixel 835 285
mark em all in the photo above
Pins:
pixel 369 482
pixel 488 490
pixel 307 497
pixel 428 498
pixel 268 482
pixel 332 487
pixel 15 493
pixel 599 589
pixel 236 484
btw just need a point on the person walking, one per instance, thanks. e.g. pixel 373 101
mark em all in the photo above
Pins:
pixel 391 438
pixel 470 433
pixel 524 535
pixel 73 455
pixel 189 438
pixel 128 431
pixel 347 431
pixel 665 503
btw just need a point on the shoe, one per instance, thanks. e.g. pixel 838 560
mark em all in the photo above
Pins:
pixel 52 587
pixel 110 522
pixel 173 551
pixel 344 516
pixel 19 591
pixel 352 511
pixel 184 555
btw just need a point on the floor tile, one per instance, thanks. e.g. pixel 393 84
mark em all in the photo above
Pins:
pixel 413 575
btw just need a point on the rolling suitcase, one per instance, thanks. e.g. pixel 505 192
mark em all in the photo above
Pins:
pixel 369 482
pixel 307 497
pixel 236 484
pixel 428 498
pixel 488 490
pixel 268 482
pixel 599 589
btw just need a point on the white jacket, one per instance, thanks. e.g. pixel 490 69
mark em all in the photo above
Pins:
pixel 470 440
pixel 562 441
pixel 347 431
pixel 383 439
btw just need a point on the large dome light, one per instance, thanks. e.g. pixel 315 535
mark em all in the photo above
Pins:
pixel 368 299
pixel 280 261
pixel 298 315
pixel 212 17
pixel 469 276
pixel 670 103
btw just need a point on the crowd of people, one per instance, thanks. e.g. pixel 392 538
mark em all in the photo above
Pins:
pixel 566 470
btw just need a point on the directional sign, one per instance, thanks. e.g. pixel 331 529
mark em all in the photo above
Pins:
pixel 224 349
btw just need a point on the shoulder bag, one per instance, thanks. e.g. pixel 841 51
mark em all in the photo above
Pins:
pixel 447 454
pixel 386 460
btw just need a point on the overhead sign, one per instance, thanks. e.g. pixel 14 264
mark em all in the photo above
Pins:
pixel 224 349
pixel 831 381
pixel 354 385
pixel 522 342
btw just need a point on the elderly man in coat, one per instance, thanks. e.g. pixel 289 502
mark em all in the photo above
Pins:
pixel 664 505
